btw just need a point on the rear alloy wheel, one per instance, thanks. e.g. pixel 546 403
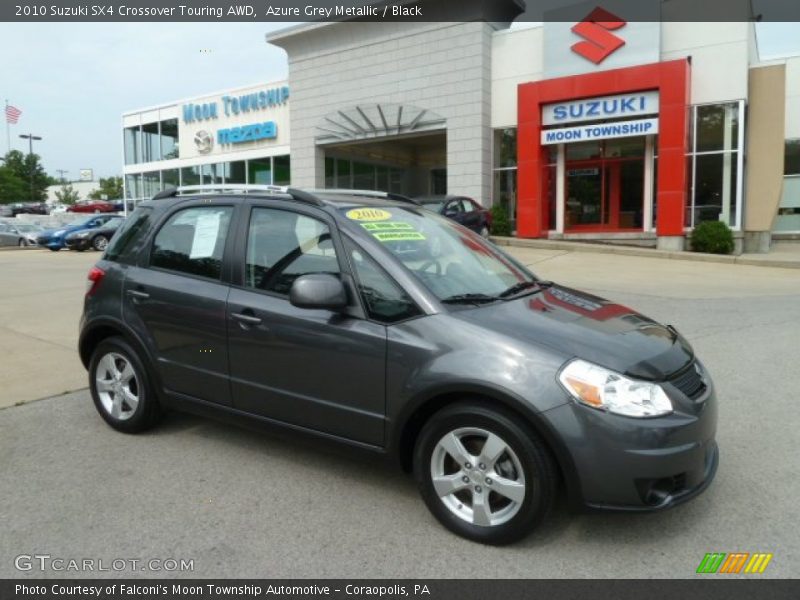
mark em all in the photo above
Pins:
pixel 484 232
pixel 121 388
pixel 482 474
pixel 100 243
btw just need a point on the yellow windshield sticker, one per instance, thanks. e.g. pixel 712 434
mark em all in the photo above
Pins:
pixel 368 214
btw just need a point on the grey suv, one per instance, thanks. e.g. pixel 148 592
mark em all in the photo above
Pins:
pixel 364 318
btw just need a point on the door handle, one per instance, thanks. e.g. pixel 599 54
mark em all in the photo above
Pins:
pixel 246 319
pixel 138 294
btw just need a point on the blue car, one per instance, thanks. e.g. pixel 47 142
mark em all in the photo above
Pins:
pixel 54 239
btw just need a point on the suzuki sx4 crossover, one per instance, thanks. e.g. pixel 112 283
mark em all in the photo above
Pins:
pixel 363 318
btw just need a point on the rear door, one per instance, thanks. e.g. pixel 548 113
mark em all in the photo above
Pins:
pixel 317 369
pixel 175 298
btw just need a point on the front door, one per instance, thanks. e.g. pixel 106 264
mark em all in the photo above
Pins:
pixel 312 368
pixel 605 192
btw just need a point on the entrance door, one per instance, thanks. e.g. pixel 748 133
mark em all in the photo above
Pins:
pixel 604 194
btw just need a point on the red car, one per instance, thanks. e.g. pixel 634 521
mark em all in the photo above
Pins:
pixel 95 206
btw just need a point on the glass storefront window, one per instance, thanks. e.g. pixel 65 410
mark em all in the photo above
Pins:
pixel 132 139
pixel 343 172
pixel 151 183
pixel 169 179
pixel 505 191
pixel 133 186
pixel 169 139
pixel 584 150
pixel 714 164
pixel 363 176
pixel 151 142
pixel 260 171
pixel 282 174
pixel 212 174
pixel 791 157
pixel 330 172
pixel 717 127
pixel 505 148
pixel 191 176
pixel 235 172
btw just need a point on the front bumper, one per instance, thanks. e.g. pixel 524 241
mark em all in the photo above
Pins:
pixel 50 242
pixel 630 464
pixel 78 244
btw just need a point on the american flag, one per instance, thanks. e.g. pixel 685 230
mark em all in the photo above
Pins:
pixel 12 114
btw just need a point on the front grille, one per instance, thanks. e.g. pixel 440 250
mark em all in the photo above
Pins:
pixel 690 382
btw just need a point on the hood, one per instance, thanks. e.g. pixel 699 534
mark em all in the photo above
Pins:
pixel 585 326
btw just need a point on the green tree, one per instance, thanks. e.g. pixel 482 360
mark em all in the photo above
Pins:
pixel 110 187
pixel 67 195
pixel 12 188
pixel 27 167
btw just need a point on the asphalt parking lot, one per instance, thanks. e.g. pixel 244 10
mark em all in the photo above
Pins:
pixel 241 504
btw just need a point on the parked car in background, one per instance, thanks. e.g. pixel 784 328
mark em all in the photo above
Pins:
pixel 29 231
pixel 119 205
pixel 53 239
pixel 462 210
pixel 6 210
pixel 93 206
pixel 10 236
pixel 29 208
pixel 58 209
pixel 96 237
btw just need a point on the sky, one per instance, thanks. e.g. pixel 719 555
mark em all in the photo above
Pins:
pixel 73 82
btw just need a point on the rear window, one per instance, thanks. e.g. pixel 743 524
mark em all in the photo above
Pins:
pixel 127 233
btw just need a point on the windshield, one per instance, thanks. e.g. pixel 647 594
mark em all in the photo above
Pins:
pixel 454 263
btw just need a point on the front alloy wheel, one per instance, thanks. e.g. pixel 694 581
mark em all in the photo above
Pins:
pixel 477 476
pixel 100 243
pixel 483 473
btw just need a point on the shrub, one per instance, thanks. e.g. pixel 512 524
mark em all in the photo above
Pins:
pixel 714 237
pixel 500 222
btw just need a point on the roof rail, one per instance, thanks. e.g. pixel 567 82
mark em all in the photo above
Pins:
pixel 368 193
pixel 240 188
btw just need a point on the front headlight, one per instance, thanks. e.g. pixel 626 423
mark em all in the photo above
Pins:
pixel 82 235
pixel 603 389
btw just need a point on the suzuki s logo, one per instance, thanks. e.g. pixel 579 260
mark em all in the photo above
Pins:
pixel 596 28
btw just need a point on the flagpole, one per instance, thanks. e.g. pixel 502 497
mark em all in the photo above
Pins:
pixel 8 130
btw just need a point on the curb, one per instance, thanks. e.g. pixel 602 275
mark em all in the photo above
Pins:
pixel 644 252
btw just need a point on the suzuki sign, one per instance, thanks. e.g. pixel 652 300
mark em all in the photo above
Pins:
pixel 600 38
pixel 607 107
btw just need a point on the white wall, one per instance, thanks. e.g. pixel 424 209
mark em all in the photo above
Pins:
pixel 720 57
pixel 516 58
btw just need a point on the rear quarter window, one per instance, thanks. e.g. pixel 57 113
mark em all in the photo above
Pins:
pixel 129 235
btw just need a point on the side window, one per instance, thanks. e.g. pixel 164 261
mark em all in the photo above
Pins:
pixel 283 245
pixel 193 241
pixel 385 301
pixel 469 205
pixel 453 208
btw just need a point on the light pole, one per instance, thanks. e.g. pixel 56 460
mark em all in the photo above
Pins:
pixel 61 173
pixel 30 137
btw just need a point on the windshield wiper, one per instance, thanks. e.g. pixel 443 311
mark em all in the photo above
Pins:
pixel 522 286
pixel 469 299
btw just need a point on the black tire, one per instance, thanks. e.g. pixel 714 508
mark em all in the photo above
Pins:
pixel 22 243
pixel 147 412
pixel 540 476
pixel 99 243
pixel 54 249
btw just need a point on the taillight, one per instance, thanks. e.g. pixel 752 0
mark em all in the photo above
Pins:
pixel 96 275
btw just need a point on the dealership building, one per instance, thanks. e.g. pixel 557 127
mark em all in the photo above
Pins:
pixel 595 129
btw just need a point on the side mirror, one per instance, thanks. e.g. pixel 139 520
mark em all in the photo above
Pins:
pixel 318 290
